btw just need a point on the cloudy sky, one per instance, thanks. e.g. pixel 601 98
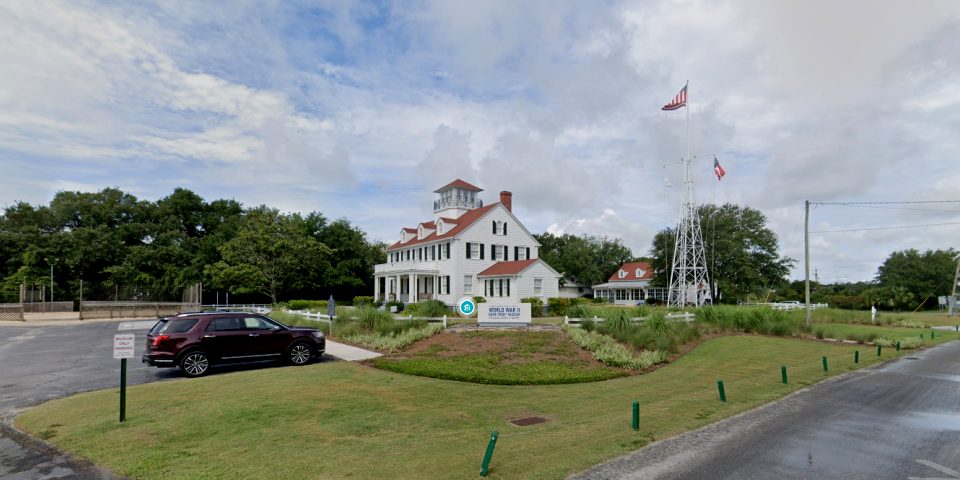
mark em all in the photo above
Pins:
pixel 361 109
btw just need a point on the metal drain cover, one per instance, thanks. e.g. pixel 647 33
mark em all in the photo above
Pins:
pixel 526 421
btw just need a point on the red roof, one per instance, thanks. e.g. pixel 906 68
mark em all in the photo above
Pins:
pixel 507 268
pixel 408 229
pixel 463 222
pixel 430 225
pixel 450 220
pixel 458 184
pixel 631 270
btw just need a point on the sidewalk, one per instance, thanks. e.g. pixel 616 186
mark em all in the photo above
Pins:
pixel 349 352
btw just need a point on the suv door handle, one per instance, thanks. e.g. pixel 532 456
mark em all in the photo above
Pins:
pixel 209 336
pixel 254 335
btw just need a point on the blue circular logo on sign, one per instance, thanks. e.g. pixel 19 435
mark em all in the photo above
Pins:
pixel 466 307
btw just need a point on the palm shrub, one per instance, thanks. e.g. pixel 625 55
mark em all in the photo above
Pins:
pixel 369 319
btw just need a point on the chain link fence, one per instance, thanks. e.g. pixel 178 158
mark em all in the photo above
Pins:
pixel 13 311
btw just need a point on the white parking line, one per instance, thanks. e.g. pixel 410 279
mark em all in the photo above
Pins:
pixel 936 466
pixel 142 325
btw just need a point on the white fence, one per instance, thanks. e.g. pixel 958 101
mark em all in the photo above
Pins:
pixel 249 307
pixel 787 306
pixel 680 317
pixel 322 317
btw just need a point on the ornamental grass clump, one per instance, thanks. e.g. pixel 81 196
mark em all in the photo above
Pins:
pixel 394 341
pixel 607 350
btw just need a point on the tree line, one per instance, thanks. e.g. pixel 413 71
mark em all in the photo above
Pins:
pixel 131 249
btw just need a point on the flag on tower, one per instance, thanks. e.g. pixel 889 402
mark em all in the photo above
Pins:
pixel 679 101
pixel 718 170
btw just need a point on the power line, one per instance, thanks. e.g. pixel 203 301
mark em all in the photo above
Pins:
pixel 885 203
pixel 885 228
pixel 903 208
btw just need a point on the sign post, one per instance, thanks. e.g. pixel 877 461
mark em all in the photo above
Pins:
pixel 123 349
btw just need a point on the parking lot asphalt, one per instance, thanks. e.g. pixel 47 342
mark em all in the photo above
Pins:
pixel 897 420
pixel 39 363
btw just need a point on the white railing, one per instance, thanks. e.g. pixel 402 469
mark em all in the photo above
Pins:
pixel 232 307
pixel 320 317
pixel 424 266
pixel 787 306
pixel 682 317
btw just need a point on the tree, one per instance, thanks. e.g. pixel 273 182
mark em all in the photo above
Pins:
pixel 271 254
pixel 924 275
pixel 742 254
pixel 586 260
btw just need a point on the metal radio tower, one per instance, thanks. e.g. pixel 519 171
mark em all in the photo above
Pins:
pixel 689 283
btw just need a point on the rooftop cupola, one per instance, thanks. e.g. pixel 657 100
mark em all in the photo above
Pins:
pixel 456 198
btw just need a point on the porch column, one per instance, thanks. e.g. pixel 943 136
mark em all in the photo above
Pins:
pixel 413 288
pixel 396 293
pixel 376 288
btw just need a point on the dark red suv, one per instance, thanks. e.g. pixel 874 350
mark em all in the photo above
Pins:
pixel 196 341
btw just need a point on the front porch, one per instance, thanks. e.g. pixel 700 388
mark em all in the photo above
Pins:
pixel 397 286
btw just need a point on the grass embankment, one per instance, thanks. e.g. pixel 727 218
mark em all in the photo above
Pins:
pixel 501 358
pixel 339 420
pixel 367 327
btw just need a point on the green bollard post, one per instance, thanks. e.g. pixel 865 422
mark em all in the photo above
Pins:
pixel 933 334
pixel 123 389
pixel 783 373
pixel 921 336
pixel 825 368
pixel 636 415
pixel 723 395
pixel 898 345
pixel 485 466
pixel 878 350
pixel 856 356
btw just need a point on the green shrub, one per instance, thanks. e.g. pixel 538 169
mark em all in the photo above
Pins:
pixel 536 305
pixel 658 322
pixel 911 343
pixel 558 306
pixel 360 301
pixel 479 300
pixel 307 304
pixel 579 311
pixel 819 332
pixel 428 309
pixel 370 319
pixel 587 324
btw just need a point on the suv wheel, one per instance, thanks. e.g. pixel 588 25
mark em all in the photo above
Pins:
pixel 299 353
pixel 195 364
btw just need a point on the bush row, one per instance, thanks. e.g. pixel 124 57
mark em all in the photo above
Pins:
pixel 607 350
pixel 393 340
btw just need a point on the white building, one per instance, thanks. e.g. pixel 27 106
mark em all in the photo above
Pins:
pixel 467 249
pixel 572 289
pixel 630 284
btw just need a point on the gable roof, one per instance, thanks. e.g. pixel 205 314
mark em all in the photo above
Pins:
pixel 458 184
pixel 463 222
pixel 507 268
pixel 431 225
pixel 631 269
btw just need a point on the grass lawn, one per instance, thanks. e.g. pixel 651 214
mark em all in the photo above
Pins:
pixel 843 330
pixel 344 420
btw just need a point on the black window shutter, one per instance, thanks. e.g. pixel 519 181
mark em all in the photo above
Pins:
pixel 506 253
pixel 508 287
pixel 481 251
pixel 448 285
pixel 448 249
pixel 516 253
pixel 504 228
pixel 528 253
pixel 494 227
pixel 468 249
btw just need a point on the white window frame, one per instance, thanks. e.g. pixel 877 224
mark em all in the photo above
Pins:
pixel 474 250
pixel 468 284
pixel 538 286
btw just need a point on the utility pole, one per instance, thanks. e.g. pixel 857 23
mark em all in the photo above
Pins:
pixel 806 258
pixel 953 295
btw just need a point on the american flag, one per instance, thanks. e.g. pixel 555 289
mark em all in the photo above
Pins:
pixel 718 170
pixel 679 101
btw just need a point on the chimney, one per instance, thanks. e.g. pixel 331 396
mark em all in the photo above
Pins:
pixel 506 198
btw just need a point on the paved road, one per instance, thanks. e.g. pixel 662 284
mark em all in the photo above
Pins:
pixel 895 421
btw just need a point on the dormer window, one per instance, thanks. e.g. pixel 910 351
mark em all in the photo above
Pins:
pixel 622 274
pixel 440 227
pixel 640 273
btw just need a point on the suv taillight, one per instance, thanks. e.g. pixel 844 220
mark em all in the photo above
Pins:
pixel 159 339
